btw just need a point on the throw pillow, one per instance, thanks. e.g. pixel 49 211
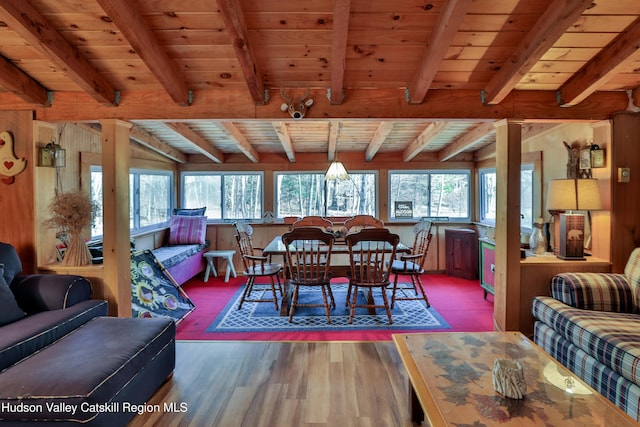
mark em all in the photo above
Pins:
pixel 11 261
pixel 190 212
pixel 9 309
pixel 187 230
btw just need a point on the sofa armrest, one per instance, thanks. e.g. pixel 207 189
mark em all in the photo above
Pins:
pixel 594 291
pixel 44 292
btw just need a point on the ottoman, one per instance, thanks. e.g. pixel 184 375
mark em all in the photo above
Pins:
pixel 98 375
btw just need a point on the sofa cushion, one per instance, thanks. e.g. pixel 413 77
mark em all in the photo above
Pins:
pixel 594 291
pixel 32 333
pixel 187 230
pixel 632 273
pixel 622 392
pixel 9 309
pixel 613 339
pixel 94 366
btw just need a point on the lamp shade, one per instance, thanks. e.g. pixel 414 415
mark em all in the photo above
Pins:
pixel 336 171
pixel 574 194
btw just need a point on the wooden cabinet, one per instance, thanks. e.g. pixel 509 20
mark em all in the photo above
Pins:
pixel 461 246
pixel 487 265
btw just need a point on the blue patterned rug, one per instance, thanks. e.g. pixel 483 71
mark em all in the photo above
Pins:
pixel 263 317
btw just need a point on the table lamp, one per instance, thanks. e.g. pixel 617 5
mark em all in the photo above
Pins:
pixel 570 195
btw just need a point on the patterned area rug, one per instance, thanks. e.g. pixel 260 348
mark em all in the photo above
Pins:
pixel 263 317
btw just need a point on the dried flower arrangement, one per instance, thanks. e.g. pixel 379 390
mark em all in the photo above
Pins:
pixel 71 212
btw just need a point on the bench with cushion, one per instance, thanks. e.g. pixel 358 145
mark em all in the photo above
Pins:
pixel 182 256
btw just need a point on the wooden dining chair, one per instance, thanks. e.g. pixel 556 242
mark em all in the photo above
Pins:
pixel 358 222
pixel 308 259
pixel 313 221
pixel 412 265
pixel 256 266
pixel 371 252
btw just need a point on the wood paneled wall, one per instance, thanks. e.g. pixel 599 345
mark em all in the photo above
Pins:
pixel 17 200
pixel 625 200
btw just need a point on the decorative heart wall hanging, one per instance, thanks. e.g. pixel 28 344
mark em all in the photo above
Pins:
pixel 10 165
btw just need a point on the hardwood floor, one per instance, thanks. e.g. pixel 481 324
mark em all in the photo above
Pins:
pixel 280 384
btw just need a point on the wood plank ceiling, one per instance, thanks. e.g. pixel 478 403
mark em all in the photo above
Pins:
pixel 206 77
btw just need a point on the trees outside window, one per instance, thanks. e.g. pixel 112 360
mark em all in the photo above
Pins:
pixel 425 193
pixel 487 196
pixel 150 199
pixel 228 195
pixel 302 194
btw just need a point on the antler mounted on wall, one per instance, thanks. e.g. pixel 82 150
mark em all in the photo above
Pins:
pixel 298 108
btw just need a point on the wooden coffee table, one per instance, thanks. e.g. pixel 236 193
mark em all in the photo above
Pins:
pixel 451 384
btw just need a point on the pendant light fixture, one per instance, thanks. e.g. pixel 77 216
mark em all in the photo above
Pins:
pixel 336 170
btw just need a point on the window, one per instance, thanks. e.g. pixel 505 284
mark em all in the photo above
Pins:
pixel 487 178
pixel 487 186
pixel 424 193
pixel 150 198
pixel 302 194
pixel 228 195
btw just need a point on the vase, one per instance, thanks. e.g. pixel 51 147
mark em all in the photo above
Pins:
pixel 538 241
pixel 77 252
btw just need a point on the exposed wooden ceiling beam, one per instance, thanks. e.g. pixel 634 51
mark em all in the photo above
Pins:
pixel 635 96
pixel 203 146
pixel 25 20
pixel 341 13
pixel 142 137
pixel 485 153
pixel 553 23
pixel 603 67
pixel 444 31
pixel 383 130
pixel 423 140
pixel 360 104
pixel 241 141
pixel 466 141
pixel 235 25
pixel 128 19
pixel 334 134
pixel 285 139
pixel 16 81
pixel 529 130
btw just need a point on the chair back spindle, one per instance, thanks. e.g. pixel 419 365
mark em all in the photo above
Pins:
pixel 308 259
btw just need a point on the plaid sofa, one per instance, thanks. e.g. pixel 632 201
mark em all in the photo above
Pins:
pixel 591 324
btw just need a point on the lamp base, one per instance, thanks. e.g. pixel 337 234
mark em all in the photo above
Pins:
pixel 571 237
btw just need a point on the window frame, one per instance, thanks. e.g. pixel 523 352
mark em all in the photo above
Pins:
pixel 429 172
pixel 376 185
pixel 223 210
pixel 134 198
pixel 525 227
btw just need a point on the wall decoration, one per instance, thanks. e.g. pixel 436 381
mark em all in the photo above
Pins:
pixel 597 156
pixel 10 165
pixel 297 108
pixel 578 163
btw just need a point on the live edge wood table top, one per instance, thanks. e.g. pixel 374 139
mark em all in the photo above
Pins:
pixel 451 384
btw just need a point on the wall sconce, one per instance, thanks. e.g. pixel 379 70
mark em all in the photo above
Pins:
pixel 52 155
pixel 570 195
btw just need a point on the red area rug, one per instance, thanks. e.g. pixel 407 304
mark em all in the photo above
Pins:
pixel 458 301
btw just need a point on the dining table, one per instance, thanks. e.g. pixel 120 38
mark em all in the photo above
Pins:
pixel 340 266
